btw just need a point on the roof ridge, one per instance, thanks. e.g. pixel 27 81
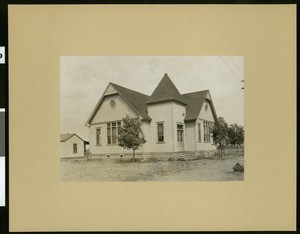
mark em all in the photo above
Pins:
pixel 69 136
pixel 128 89
pixel 196 91
pixel 66 136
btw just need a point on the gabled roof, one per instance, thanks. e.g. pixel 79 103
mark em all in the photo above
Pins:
pixel 137 101
pixel 166 91
pixel 195 102
pixel 65 137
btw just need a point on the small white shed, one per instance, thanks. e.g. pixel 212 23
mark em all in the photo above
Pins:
pixel 72 146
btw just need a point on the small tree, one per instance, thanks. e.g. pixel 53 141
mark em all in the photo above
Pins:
pixel 220 134
pixel 236 135
pixel 131 135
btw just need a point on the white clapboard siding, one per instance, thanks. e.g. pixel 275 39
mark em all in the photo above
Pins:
pixel 67 147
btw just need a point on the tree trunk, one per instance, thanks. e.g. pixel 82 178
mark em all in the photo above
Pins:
pixel 237 148
pixel 133 156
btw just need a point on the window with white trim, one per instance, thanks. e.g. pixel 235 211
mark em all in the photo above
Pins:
pixel 206 129
pixel 113 131
pixel 179 133
pixel 199 132
pixel 98 136
pixel 160 132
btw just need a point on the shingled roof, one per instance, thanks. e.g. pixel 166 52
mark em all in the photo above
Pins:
pixel 166 91
pixel 135 99
pixel 65 137
pixel 194 103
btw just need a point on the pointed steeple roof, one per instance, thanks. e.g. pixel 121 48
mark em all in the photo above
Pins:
pixel 165 91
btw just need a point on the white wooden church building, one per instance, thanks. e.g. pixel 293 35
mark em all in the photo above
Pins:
pixel 171 122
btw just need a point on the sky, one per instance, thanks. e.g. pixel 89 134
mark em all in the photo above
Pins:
pixel 83 80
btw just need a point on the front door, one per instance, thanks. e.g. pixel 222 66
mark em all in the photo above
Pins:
pixel 180 144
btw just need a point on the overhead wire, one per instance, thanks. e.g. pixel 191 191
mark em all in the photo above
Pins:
pixel 230 68
pixel 235 63
pixel 226 97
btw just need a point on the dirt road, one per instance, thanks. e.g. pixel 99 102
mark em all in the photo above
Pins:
pixel 207 170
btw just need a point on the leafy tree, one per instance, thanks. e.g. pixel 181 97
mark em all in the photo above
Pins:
pixel 220 134
pixel 236 135
pixel 131 135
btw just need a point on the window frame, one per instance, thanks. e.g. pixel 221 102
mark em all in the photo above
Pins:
pixel 98 136
pixel 75 149
pixel 112 136
pixel 199 132
pixel 112 104
pixel 108 131
pixel 160 138
pixel 206 130
pixel 179 141
pixel 206 107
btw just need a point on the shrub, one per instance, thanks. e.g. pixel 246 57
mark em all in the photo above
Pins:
pixel 238 167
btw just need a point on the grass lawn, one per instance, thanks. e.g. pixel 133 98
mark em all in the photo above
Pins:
pixel 112 170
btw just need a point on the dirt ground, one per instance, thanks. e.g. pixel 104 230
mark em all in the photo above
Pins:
pixel 111 170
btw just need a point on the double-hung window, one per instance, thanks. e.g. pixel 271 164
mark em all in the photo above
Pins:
pixel 206 128
pixel 98 136
pixel 113 131
pixel 160 132
pixel 180 133
pixel 199 132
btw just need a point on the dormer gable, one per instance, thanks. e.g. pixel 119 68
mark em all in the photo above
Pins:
pixel 109 90
pixel 208 96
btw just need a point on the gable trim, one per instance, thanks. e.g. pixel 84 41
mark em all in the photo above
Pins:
pixel 168 100
pixel 88 122
pixel 211 105
pixel 74 134
pixel 212 108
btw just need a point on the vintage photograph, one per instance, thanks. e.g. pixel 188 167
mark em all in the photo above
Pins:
pixel 152 118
